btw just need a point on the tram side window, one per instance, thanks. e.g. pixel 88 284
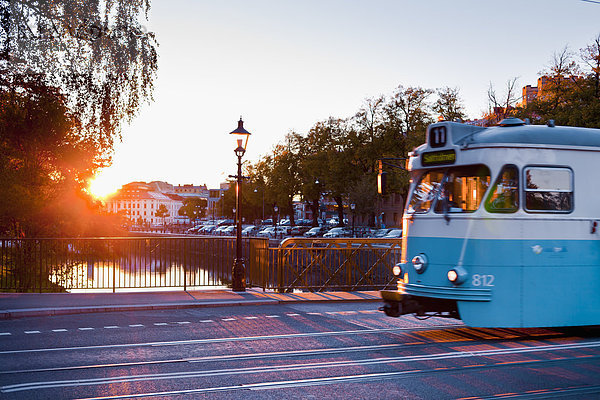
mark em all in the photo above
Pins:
pixel 464 189
pixel 504 196
pixel 549 189
pixel 425 192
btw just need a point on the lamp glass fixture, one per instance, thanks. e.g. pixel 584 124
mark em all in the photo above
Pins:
pixel 241 136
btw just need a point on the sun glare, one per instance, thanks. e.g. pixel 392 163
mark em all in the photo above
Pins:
pixel 101 188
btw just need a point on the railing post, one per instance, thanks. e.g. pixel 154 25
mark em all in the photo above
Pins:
pixel 40 261
pixel 184 265
pixel 114 267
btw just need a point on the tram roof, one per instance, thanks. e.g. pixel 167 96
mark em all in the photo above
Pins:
pixel 533 134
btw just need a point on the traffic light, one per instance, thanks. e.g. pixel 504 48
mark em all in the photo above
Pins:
pixel 381 180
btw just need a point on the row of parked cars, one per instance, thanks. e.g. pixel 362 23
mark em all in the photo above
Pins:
pixel 226 228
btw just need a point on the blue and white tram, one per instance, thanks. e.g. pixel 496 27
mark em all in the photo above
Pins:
pixel 501 228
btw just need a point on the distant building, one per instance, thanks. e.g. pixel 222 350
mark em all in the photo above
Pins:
pixel 139 201
pixel 200 191
pixel 530 93
pixel 214 195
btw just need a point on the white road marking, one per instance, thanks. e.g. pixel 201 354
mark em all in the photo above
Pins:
pixel 207 320
pixel 292 315
pixel 183 322
pixel 228 319
pixel 5 333
pixel 314 313
pixel 273 316
pixel 86 329
pixel 30 332
pixel 59 330
pixel 250 317
pixel 293 367
pixel 136 326
pixel 111 327
pixel 233 339
pixel 161 323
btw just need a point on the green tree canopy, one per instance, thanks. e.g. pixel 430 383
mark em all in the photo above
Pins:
pixel 193 207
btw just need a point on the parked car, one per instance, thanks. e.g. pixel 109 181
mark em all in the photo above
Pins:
pixel 268 232
pixel 298 230
pixel 207 229
pixel 250 230
pixel 219 230
pixel 393 234
pixel 194 229
pixel 228 231
pixel 340 231
pixel 315 231
pixel 379 233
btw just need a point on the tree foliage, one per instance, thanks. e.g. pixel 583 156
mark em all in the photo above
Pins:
pixel 70 73
pixel 193 208
pixel 570 94
pixel 95 52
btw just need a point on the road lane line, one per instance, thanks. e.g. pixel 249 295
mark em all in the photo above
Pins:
pixel 32 332
pixel 111 327
pixel 295 367
pixel 206 320
pixel 228 357
pixel 221 340
pixel 136 326
pixel 160 323
pixel 59 330
pixel 86 329
pixel 5 333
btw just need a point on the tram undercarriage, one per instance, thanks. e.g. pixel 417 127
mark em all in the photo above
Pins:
pixel 397 304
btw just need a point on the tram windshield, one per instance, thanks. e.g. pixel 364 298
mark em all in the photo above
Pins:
pixel 454 190
pixel 426 191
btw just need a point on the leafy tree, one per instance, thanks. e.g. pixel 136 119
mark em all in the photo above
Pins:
pixel 591 57
pixel 194 208
pixel 449 105
pixel 96 53
pixel 283 181
pixel 162 212
pixel 70 73
pixel 569 94
pixel 44 165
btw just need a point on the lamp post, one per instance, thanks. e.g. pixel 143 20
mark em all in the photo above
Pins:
pixel 239 269
pixel 352 207
pixel 263 204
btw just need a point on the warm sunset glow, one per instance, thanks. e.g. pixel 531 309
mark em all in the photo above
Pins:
pixel 100 187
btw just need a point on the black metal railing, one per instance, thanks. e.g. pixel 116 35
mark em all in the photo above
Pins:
pixel 43 265
pixel 333 264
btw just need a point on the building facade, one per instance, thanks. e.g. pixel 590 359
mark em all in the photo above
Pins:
pixel 138 202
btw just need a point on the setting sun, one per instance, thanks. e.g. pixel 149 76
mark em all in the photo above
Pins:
pixel 100 187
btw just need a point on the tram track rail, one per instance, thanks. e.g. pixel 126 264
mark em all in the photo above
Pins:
pixel 482 359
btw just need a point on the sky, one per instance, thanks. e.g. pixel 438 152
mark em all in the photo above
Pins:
pixel 283 65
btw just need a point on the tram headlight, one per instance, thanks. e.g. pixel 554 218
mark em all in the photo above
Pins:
pixel 397 270
pixel 420 263
pixel 457 275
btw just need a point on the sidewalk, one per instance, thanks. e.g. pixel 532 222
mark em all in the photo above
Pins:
pixel 17 305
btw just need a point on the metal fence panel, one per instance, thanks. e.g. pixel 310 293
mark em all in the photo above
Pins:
pixel 41 265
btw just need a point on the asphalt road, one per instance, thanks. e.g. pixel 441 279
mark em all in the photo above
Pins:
pixel 295 351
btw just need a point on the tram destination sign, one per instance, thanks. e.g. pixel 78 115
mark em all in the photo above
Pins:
pixel 443 157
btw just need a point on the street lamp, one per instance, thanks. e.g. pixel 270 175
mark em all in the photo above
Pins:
pixel 239 269
pixel 352 207
pixel 263 204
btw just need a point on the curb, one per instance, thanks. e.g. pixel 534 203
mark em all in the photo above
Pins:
pixel 46 312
